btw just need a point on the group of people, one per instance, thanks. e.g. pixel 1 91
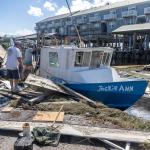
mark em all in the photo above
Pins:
pixel 18 64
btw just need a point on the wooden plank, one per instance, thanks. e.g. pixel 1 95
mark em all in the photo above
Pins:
pixel 85 131
pixel 80 97
pixel 43 83
pixel 37 99
pixel 48 116
pixel 7 109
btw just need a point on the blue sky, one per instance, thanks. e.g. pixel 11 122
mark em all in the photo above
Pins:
pixel 18 17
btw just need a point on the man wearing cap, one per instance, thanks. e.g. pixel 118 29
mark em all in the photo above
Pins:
pixel 14 60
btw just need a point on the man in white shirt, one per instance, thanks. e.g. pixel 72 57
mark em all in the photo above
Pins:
pixel 14 60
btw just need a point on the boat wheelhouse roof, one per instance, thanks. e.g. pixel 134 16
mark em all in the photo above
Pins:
pixel 84 49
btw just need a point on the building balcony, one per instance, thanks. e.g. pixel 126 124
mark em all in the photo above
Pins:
pixel 42 26
pixel 80 21
pixel 147 11
pixel 110 17
pixel 36 28
pixel 50 25
pixel 69 23
pixel 93 19
pixel 129 13
pixel 57 24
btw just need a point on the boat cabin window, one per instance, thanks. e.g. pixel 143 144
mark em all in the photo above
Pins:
pixel 96 60
pixel 53 59
pixel 93 59
pixel 106 59
pixel 82 59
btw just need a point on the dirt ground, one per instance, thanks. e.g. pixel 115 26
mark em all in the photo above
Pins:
pixel 7 140
pixel 75 113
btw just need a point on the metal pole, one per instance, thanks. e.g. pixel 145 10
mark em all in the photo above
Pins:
pixel 74 24
pixel 112 144
pixel 127 146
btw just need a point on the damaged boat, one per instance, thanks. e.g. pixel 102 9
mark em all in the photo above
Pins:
pixel 88 71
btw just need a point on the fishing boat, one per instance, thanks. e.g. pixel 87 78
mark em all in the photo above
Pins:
pixel 88 71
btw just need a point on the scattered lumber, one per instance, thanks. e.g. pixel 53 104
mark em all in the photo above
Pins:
pixel 84 131
pixel 37 99
pixel 48 84
pixel 49 116
pixel 43 83
pixel 7 109
pixel 80 97
pixel 9 95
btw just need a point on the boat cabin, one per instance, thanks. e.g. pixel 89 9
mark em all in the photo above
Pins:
pixel 65 61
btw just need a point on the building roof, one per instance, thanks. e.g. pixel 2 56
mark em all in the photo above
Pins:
pixel 31 36
pixel 96 9
pixel 144 28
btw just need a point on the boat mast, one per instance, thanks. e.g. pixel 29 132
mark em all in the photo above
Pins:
pixel 81 42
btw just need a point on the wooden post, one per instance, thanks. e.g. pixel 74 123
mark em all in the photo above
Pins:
pixel 116 41
pixel 134 40
pixel 127 146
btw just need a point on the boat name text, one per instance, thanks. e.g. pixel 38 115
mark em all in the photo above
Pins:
pixel 112 88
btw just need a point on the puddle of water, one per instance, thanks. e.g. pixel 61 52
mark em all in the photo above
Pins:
pixel 139 112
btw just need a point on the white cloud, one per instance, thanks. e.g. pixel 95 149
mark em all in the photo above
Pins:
pixel 80 5
pixel 99 2
pixel 50 6
pixel 20 32
pixel 35 11
pixel 23 32
pixel 62 10
pixel 83 4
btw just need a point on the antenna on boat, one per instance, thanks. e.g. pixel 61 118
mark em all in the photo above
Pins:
pixel 81 42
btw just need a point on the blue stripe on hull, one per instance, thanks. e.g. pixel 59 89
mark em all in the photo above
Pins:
pixel 115 94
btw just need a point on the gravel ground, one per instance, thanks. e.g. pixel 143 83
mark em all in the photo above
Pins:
pixel 7 140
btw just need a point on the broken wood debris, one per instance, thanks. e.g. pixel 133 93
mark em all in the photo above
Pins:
pixel 84 131
pixel 43 83
pixel 37 99
pixel 79 96
pixel 48 116
pixel 7 109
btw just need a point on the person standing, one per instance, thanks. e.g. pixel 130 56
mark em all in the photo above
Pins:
pixel 28 66
pixel 14 60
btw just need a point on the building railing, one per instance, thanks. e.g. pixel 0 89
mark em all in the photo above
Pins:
pixel 129 13
pixel 50 25
pixel 110 17
pixel 93 19
pixel 42 26
pixel 36 28
pixel 69 23
pixel 80 21
pixel 147 11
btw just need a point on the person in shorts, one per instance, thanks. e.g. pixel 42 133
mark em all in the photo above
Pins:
pixel 28 59
pixel 14 60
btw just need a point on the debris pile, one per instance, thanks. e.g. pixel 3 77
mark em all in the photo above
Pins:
pixel 77 109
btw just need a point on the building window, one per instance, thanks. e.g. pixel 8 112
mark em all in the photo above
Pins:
pixel 112 24
pixel 148 18
pixel 97 25
pixel 91 15
pixel 113 12
pixel 53 59
pixel 72 28
pixel 83 27
pixel 132 8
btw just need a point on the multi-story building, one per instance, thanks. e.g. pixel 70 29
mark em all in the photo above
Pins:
pixel 97 23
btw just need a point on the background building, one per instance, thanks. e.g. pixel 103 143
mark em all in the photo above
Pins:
pixel 95 25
